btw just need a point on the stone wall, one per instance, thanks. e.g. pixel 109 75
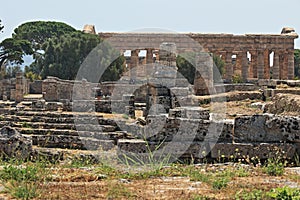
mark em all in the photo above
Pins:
pixel 35 87
pixel 247 137
pixel 55 89
pixel 15 88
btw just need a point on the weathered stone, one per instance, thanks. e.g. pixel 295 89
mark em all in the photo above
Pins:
pixel 39 104
pixel 267 82
pixel 13 144
pixel 284 103
pixel 252 151
pixel 266 128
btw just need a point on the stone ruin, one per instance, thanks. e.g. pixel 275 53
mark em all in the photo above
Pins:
pixel 162 105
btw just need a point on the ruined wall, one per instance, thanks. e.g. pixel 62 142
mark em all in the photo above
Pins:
pixel 15 88
pixel 55 89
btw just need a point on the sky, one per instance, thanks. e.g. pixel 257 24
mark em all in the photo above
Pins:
pixel 211 16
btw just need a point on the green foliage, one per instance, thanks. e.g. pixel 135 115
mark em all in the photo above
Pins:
pixel 19 173
pixel 11 71
pixel 38 32
pixel 297 62
pixel 13 50
pixel 219 65
pixel 22 190
pixel 285 193
pixel 201 197
pixel 1 26
pixel 220 183
pixel 63 56
pixel 32 76
pixel 274 167
pixel 237 78
pixel 119 191
pixel 186 67
pixel 22 181
pixel 253 195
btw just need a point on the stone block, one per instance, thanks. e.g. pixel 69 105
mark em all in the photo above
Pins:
pixel 255 150
pixel 13 144
pixel 266 128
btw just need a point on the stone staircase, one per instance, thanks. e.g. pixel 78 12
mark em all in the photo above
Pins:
pixel 57 131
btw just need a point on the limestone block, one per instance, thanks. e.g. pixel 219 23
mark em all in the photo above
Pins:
pixel 267 82
pixel 39 104
pixel 13 144
pixel 255 150
pixel 266 128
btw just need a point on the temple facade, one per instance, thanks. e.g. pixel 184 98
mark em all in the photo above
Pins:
pixel 250 56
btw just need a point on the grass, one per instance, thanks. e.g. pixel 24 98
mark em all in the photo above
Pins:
pixel 118 191
pixel 274 167
pixel 27 180
pixel 23 180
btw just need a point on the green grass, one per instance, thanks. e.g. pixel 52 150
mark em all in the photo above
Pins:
pixel 119 191
pixel 284 193
pixel 23 180
pixel 252 195
pixel 274 167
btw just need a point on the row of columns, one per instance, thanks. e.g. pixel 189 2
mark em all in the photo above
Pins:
pixel 259 67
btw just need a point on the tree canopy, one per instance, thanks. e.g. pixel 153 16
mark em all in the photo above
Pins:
pixel 63 55
pixel 13 50
pixel 38 32
pixel 1 26
pixel 57 49
pixel 28 38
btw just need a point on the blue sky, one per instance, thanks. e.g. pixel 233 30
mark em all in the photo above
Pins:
pixel 211 16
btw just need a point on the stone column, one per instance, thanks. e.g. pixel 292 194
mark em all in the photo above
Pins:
pixel 228 67
pixel 276 65
pixel 19 95
pixel 266 64
pixel 253 65
pixel 260 64
pixel 283 59
pixel 245 66
pixel 149 56
pixel 290 68
pixel 134 62
pixel 134 58
pixel 238 64
pixel 203 82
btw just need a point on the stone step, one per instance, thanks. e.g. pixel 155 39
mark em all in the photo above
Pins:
pixel 59 154
pixel 99 135
pixel 64 120
pixel 210 150
pixel 53 114
pixel 72 142
pixel 61 126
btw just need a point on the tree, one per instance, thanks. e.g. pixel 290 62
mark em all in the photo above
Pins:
pixel 13 50
pixel 1 26
pixel 185 67
pixel 11 71
pixel 38 32
pixel 219 65
pixel 63 56
pixel 28 38
pixel 297 62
